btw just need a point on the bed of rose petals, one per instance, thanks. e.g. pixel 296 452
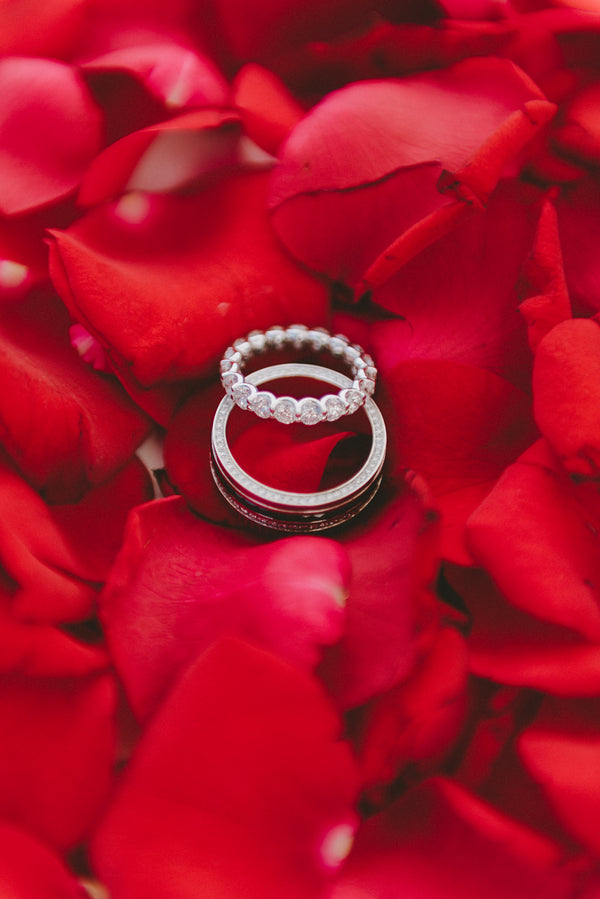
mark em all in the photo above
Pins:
pixel 407 707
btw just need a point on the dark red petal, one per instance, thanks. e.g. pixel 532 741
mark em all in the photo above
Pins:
pixel 439 840
pixel 288 596
pixel 476 422
pixel 538 539
pixel 40 650
pixel 378 131
pixel 56 753
pixel 458 298
pixel 58 555
pixel 175 75
pixel 238 788
pixel 393 555
pixel 268 109
pixel 578 135
pixel 510 646
pixel 215 258
pixel 50 128
pixel 66 427
pixel 414 726
pixel 566 399
pixel 578 211
pixel 543 282
pixel 163 157
pixel 559 750
pixel 29 870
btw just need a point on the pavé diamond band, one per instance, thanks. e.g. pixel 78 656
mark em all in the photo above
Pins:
pixel 286 409
pixel 285 510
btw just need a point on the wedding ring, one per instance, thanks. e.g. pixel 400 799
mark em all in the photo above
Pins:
pixel 286 409
pixel 284 510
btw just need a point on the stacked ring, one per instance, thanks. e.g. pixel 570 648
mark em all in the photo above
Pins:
pixel 286 409
pixel 289 511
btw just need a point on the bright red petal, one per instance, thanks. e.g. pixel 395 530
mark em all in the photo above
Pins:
pixel 51 131
pixel 566 399
pixel 439 840
pixel 288 596
pixel 268 110
pixel 56 753
pixel 238 788
pixel 212 255
pixel 29 870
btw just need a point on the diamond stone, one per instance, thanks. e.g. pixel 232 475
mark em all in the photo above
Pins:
pixel 243 347
pixel 311 411
pixel 353 399
pixel 257 341
pixel 296 335
pixel 230 380
pixel 276 338
pixel 317 338
pixel 284 410
pixel 241 393
pixel 334 407
pixel 261 404
pixel 352 353
pixel 338 345
pixel 366 385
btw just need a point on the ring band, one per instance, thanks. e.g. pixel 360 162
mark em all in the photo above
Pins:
pixel 286 409
pixel 285 510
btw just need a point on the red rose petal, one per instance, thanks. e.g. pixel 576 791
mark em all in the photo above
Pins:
pixel 578 211
pixel 175 75
pixel 566 399
pixel 29 870
pixel 474 425
pixel 163 157
pixel 50 130
pixel 235 788
pixel 268 109
pixel 510 646
pixel 38 28
pixel 56 753
pixel 66 427
pixel 393 555
pixel 579 132
pixel 379 132
pixel 562 759
pixel 439 840
pixel 538 539
pixel 215 258
pixel 415 725
pixel 547 303
pixel 288 596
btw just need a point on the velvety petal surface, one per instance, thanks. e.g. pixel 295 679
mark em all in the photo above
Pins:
pixel 65 427
pixel 385 149
pixel 565 391
pixel 440 840
pixel 215 258
pixel 50 129
pixel 56 753
pixel 288 596
pixel 240 787
pixel 29 870
pixel 537 535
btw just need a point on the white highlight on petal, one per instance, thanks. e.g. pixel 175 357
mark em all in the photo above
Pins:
pixel 181 90
pixel 133 207
pixel 337 844
pixel 12 274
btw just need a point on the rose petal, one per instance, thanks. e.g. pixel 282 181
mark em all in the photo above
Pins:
pixel 393 556
pixel 538 540
pixel 566 399
pixel 268 109
pixel 215 258
pixel 56 753
pixel 511 646
pixel 51 131
pixel 163 157
pixel 234 790
pixel 66 427
pixel 547 299
pixel 578 219
pixel 175 75
pixel 29 870
pixel 560 754
pixel 379 132
pixel 439 840
pixel 288 596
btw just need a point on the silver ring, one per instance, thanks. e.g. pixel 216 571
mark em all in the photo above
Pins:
pixel 286 409
pixel 284 510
